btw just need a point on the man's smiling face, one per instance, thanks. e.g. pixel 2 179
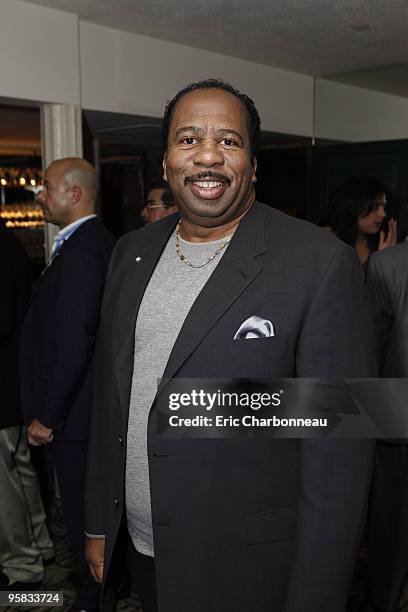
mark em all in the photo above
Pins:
pixel 208 162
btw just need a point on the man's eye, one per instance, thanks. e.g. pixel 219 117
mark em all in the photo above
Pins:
pixel 189 140
pixel 228 142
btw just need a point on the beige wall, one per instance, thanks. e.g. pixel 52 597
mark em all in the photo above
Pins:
pixel 343 112
pixel 128 73
pixel 39 51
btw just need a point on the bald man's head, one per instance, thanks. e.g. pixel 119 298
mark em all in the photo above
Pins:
pixel 70 191
pixel 78 171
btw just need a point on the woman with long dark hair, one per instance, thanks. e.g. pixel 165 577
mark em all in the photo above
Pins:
pixel 359 211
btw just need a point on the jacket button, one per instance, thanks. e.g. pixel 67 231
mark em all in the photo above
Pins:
pixel 116 502
pixel 120 439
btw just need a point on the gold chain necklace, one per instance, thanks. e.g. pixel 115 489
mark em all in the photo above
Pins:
pixel 184 258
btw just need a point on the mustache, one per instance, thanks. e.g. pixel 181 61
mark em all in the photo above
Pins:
pixel 207 174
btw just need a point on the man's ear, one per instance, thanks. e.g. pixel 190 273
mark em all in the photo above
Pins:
pixel 76 193
pixel 254 167
pixel 164 167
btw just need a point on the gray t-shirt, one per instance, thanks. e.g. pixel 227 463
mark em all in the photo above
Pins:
pixel 171 292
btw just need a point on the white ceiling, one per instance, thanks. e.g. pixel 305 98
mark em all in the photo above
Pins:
pixel 316 37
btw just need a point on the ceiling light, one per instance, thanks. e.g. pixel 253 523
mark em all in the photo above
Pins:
pixel 20 177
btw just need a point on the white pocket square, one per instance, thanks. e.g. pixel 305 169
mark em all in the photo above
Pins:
pixel 255 327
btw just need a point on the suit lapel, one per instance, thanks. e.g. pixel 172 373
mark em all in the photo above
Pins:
pixel 140 266
pixel 66 246
pixel 233 275
pixel 235 272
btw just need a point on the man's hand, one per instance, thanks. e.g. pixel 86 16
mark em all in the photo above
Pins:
pixel 39 434
pixel 391 239
pixel 95 554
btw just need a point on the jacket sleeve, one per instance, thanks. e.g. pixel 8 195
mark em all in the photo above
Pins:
pixel 106 420
pixel 78 299
pixel 335 342
pixel 99 459
pixel 381 310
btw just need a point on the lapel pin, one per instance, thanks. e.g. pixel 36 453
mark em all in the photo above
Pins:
pixel 138 259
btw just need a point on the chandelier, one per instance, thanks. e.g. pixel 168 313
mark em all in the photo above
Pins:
pixel 21 177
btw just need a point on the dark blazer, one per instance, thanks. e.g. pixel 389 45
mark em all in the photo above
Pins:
pixel 388 525
pixel 59 332
pixel 15 291
pixel 388 291
pixel 249 525
pixel 387 285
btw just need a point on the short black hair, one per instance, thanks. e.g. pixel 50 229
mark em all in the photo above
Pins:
pixel 254 122
pixel 157 183
pixel 355 199
pixel 167 196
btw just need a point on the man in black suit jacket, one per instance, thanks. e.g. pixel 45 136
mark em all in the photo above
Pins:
pixel 388 517
pixel 24 539
pixel 15 293
pixel 247 524
pixel 58 340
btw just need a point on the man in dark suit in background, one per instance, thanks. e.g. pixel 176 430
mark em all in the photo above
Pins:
pixel 233 289
pixel 25 543
pixel 58 341
pixel 388 516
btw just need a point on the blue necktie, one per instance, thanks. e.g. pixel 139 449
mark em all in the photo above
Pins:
pixel 56 247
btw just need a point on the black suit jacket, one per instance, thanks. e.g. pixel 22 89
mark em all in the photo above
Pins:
pixel 388 290
pixel 387 284
pixel 15 291
pixel 250 525
pixel 59 332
